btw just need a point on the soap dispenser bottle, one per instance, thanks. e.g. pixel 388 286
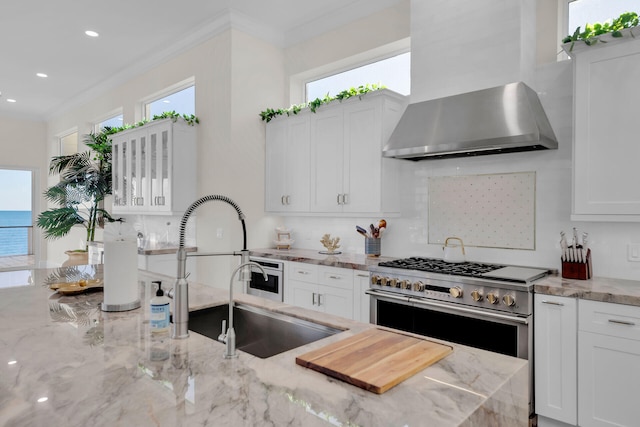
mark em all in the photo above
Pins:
pixel 159 311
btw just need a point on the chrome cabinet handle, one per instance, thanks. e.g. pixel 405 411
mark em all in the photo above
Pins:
pixel 335 277
pixel 302 272
pixel 319 300
pixel 345 200
pixel 552 303
pixel 338 199
pixel 288 200
pixel 362 275
pixel 621 322
pixel 282 200
pixel 313 298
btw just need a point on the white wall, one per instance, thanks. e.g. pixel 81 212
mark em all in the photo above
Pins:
pixel 21 141
pixel 234 77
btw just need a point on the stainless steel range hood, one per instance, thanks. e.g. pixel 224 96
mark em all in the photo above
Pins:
pixel 502 119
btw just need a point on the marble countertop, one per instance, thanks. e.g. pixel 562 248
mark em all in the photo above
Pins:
pixel 603 289
pixel 106 369
pixel 342 260
pixel 598 288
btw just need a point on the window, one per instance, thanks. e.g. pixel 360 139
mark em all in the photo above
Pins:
pixel 68 143
pixel 182 102
pixel 112 122
pixel 393 72
pixel 582 12
pixel 16 223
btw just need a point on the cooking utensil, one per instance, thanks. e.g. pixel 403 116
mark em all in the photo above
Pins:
pixel 452 251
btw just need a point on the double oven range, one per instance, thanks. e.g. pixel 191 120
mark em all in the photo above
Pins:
pixel 486 306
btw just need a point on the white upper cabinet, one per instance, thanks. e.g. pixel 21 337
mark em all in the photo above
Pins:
pixel 606 149
pixel 287 164
pixel 331 161
pixel 348 172
pixel 154 168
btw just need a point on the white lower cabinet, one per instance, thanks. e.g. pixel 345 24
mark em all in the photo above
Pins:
pixel 608 364
pixel 320 288
pixel 555 335
pixel 587 362
pixel 361 301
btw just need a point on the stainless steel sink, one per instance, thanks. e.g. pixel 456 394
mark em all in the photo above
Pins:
pixel 259 332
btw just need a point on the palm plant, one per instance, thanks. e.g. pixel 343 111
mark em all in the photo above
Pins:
pixel 85 180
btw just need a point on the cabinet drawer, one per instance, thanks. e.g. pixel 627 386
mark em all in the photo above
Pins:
pixel 336 277
pixel 616 320
pixel 303 272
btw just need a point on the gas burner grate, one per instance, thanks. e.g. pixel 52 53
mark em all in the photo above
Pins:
pixel 433 265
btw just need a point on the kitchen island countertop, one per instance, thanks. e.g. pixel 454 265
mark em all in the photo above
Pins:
pixel 106 369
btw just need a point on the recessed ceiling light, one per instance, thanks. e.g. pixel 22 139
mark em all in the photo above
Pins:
pixel 43 75
pixel 166 101
pixel 11 100
pixel 43 399
pixel 12 362
pixel 91 33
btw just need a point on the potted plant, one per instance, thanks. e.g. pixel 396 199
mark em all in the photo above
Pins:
pixel 85 181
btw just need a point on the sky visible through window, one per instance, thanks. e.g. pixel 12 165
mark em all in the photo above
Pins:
pixel 182 102
pixel 590 11
pixel 15 190
pixel 394 73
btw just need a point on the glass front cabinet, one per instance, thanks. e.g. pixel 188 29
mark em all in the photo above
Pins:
pixel 154 168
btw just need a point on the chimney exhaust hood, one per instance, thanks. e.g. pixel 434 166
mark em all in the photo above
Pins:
pixel 502 119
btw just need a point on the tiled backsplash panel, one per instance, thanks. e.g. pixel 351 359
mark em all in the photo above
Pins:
pixel 493 210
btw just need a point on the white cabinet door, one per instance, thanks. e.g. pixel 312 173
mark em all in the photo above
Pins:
pixel 361 301
pixel 605 142
pixel 302 294
pixel 154 168
pixel 327 159
pixel 555 335
pixel 287 165
pixel 609 381
pixel 608 364
pixel 336 301
pixel 362 156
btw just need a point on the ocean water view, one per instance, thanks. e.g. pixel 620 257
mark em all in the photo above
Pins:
pixel 14 241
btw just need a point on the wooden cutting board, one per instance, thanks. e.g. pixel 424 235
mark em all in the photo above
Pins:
pixel 376 359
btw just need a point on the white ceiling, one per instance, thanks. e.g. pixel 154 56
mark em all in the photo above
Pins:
pixel 48 36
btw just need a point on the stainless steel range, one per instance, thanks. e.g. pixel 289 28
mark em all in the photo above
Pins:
pixel 486 306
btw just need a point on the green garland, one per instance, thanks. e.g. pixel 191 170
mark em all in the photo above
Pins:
pixel 591 31
pixel 268 114
pixel 190 119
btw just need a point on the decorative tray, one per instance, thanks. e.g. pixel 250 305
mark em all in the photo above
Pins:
pixel 79 287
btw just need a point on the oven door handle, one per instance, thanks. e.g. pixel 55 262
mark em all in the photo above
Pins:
pixel 388 295
pixel 482 313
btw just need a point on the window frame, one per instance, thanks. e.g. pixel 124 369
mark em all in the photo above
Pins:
pixel 144 110
pixel 60 136
pixel 107 116
pixel 298 82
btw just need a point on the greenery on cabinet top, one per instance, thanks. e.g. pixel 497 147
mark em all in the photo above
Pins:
pixel 189 119
pixel 592 32
pixel 269 114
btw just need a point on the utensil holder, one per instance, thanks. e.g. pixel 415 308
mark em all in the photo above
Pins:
pixel 372 246
pixel 578 270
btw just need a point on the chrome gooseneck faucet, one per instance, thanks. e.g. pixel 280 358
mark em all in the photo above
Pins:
pixel 229 338
pixel 180 291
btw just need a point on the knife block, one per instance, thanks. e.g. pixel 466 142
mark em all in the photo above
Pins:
pixel 578 270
